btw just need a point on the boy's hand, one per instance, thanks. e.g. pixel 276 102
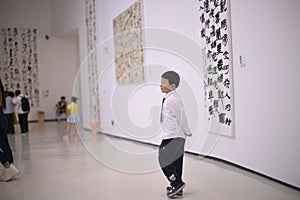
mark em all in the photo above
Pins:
pixel 188 134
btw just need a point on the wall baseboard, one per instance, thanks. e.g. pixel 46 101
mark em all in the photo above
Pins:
pixel 46 120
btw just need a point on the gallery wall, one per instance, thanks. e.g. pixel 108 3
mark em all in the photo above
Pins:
pixel 59 64
pixel 160 29
pixel 265 69
pixel 264 66
pixel 265 89
pixel 57 56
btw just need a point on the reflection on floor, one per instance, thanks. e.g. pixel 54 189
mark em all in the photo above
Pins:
pixel 102 167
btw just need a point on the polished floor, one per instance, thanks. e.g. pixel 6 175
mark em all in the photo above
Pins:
pixel 101 167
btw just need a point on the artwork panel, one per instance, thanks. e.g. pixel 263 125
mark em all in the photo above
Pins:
pixel 91 34
pixel 215 31
pixel 19 66
pixel 128 44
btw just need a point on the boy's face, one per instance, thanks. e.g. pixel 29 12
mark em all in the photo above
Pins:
pixel 165 86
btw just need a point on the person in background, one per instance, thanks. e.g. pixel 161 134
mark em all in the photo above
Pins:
pixel 9 111
pixel 72 116
pixel 22 115
pixel 61 107
pixel 7 170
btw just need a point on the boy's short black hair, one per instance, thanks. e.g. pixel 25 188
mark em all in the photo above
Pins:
pixel 172 77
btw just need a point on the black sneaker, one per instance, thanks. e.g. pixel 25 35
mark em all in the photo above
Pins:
pixel 180 193
pixel 175 190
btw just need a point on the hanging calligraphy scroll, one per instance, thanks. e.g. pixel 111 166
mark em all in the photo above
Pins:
pixel 128 41
pixel 215 32
pixel 91 31
pixel 19 62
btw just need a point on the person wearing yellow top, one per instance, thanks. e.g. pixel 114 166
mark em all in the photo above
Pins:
pixel 72 116
pixel 72 108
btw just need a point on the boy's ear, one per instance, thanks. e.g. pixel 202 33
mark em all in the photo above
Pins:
pixel 173 86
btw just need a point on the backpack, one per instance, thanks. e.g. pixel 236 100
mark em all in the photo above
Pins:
pixel 25 104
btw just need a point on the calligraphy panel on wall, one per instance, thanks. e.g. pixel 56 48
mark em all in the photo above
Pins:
pixel 128 42
pixel 19 62
pixel 91 33
pixel 216 34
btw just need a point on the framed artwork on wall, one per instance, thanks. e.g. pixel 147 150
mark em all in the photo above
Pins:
pixel 92 60
pixel 19 62
pixel 215 33
pixel 128 43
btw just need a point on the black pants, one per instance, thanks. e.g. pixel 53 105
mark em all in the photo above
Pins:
pixel 10 123
pixel 23 121
pixel 5 150
pixel 170 158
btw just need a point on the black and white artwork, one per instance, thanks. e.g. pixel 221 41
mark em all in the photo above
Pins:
pixel 215 32
pixel 19 62
pixel 91 33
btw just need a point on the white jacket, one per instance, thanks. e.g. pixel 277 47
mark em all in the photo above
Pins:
pixel 174 120
pixel 17 103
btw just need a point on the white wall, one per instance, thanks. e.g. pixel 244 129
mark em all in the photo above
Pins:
pixel 29 13
pixel 60 62
pixel 266 33
pixel 265 95
pixel 169 42
pixel 66 16
pixel 58 56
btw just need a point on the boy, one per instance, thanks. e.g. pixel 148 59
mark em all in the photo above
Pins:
pixel 174 130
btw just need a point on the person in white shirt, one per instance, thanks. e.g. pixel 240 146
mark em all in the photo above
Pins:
pixel 22 115
pixel 175 128
pixel 9 111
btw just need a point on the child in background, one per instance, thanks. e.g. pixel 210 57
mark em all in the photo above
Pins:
pixel 72 116
pixel 174 131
